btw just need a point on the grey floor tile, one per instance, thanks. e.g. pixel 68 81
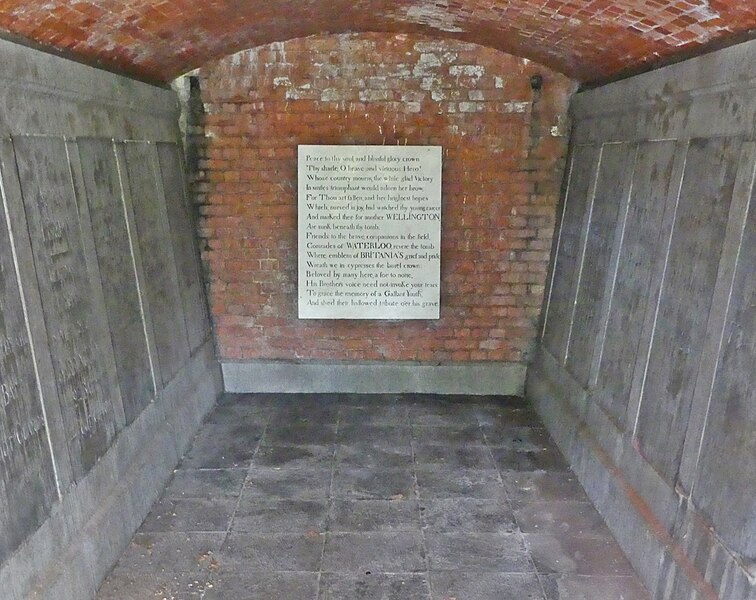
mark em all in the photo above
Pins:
pixel 242 584
pixel 299 457
pixel 272 552
pixel 127 584
pixel 373 515
pixel 392 414
pixel 378 586
pixel 378 436
pixel 374 552
pixel 444 482
pixel 282 482
pixel 190 514
pixel 206 483
pixel 523 439
pixel 366 454
pixel 468 585
pixel 548 459
pixel 522 416
pixel 562 518
pixel 172 552
pixel 542 486
pixel 263 515
pixel 442 416
pixel 455 515
pixel 457 457
pixel 364 483
pixel 301 434
pixel 469 435
pixel 222 447
pixel 581 556
pixel 304 415
pixel 485 552
pixel 580 587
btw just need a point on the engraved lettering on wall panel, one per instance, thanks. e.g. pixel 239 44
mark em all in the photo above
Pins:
pixel 726 496
pixel 685 301
pixel 184 249
pixel 66 294
pixel 568 256
pixel 609 198
pixel 641 249
pixel 27 481
pixel 118 278
pixel 162 290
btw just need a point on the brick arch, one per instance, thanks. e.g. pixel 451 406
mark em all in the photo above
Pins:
pixel 587 40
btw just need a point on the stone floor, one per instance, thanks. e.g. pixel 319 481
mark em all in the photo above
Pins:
pixel 324 497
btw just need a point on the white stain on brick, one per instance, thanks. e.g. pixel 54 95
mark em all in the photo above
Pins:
pixel 434 13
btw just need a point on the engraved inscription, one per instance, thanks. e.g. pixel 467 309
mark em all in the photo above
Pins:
pixel 65 289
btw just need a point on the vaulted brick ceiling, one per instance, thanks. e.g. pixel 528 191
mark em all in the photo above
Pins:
pixel 588 40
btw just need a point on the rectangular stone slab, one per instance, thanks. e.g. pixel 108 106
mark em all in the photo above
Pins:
pixel 111 237
pixel 154 237
pixel 27 477
pixel 67 298
pixel 685 301
pixel 184 247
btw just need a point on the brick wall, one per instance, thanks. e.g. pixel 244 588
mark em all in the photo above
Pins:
pixel 504 146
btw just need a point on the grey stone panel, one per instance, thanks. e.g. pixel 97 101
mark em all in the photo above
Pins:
pixel 641 250
pixel 76 344
pixel 616 167
pixel 686 300
pixel 27 477
pixel 161 281
pixel 558 318
pixel 184 245
pixel 726 495
pixel 116 264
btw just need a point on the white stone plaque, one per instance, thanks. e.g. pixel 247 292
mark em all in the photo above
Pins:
pixel 369 232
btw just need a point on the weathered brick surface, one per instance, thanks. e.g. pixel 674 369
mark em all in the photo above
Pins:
pixel 585 39
pixel 504 147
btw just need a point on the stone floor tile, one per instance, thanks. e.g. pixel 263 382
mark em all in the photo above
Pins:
pixel 378 586
pixel 502 418
pixel 368 455
pixel 444 482
pixel 468 435
pixel 272 552
pixel 301 434
pixel 190 514
pixel 486 552
pixel 392 415
pixel 378 436
pixel 542 486
pixel 581 556
pixel 222 447
pixel 517 437
pixel 364 483
pixel 127 584
pixel 580 587
pixel 263 516
pixel 297 457
pixel 172 552
pixel 443 415
pixel 241 584
pixel 373 552
pixel 468 585
pixel 455 515
pixel 562 518
pixel 282 482
pixel 548 459
pixel 373 515
pixel 205 483
pixel 457 457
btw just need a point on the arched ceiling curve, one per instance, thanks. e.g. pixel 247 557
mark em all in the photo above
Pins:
pixel 588 40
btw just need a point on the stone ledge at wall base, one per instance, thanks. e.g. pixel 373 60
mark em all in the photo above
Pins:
pixel 663 535
pixel 70 554
pixel 374 378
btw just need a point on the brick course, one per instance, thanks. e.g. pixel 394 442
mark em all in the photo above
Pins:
pixel 504 148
